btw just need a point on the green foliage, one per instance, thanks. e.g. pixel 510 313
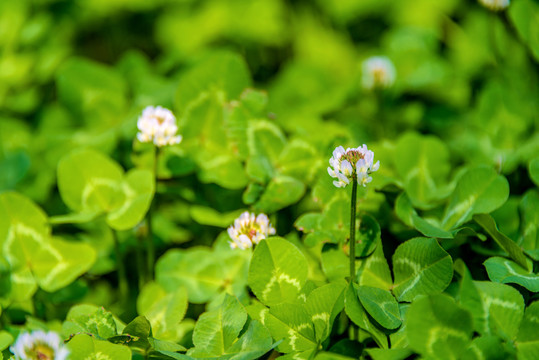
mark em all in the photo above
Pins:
pixel 216 334
pixel 505 243
pixel 163 310
pixel 527 340
pixel 83 346
pixel 203 272
pixel 381 305
pixel 90 320
pixel 529 207
pixel 423 165
pixel 421 267
pixel 358 315
pixel 479 190
pixel 121 247
pixel 506 271
pixel 91 183
pixel 277 272
pixel 33 257
pixel 438 328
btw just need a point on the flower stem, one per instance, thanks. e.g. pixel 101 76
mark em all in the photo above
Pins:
pixel 122 279
pixel 150 254
pixel 353 204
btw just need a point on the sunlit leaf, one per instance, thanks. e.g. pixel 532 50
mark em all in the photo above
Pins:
pixel 438 328
pixel 506 271
pixel 389 354
pixel 479 190
pixel 89 181
pixel 292 324
pixel 221 70
pixel 497 308
pixel 358 316
pixel 374 270
pixel 523 15
pixel 528 339
pixel 421 267
pixel 405 212
pixel 277 272
pixel 216 330
pixel 90 319
pixel 487 223
pixel 485 347
pixel 381 305
pixel 323 305
pixel 423 164
pixel 529 207
pixel 164 310
pixel 281 192
pixel 84 346
pixel 26 242
pixel 138 188
pixel 193 269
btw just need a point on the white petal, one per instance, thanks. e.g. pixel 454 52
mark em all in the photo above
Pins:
pixel 338 152
pixel 346 168
pixel 62 354
pixel 369 158
pixel 342 178
pixel 148 111
pixel 331 172
pixel 361 167
pixel 143 137
pixel 244 242
pixel 232 232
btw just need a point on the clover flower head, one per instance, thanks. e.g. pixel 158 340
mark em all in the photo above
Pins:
pixel 495 5
pixel 158 125
pixel 378 73
pixel 249 229
pixel 39 345
pixel 350 164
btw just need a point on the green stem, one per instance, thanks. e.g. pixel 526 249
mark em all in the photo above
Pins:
pixel 353 231
pixel 122 279
pixel 150 254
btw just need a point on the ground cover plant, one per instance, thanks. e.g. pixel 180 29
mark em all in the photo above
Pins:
pixel 227 179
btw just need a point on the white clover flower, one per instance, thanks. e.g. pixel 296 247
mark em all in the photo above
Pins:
pixel 39 345
pixel 495 5
pixel 378 73
pixel 158 124
pixel 249 229
pixel 352 163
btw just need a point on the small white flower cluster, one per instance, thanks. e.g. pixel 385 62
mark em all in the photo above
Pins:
pixel 158 124
pixel 378 73
pixel 39 345
pixel 350 164
pixel 495 5
pixel 249 229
